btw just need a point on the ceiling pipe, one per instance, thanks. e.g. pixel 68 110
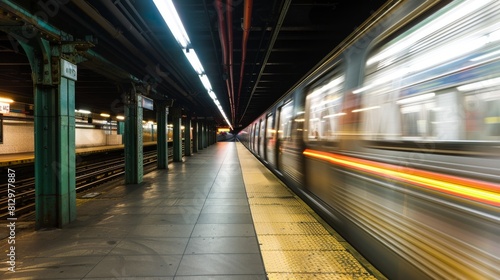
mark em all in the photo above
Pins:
pixel 224 46
pixel 247 23
pixel 274 36
pixel 116 34
pixel 229 21
pixel 143 38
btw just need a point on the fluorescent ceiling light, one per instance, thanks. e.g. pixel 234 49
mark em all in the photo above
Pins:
pixel 206 82
pixel 169 14
pixel 195 62
pixel 105 115
pixel 174 23
pixel 120 118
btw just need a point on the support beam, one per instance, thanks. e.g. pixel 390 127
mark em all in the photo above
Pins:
pixel 200 134
pixel 205 134
pixel 187 136
pixel 176 120
pixel 133 138
pixel 162 145
pixel 195 135
pixel 54 117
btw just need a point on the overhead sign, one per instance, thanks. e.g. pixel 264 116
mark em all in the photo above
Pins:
pixel 147 103
pixel 4 108
pixel 68 70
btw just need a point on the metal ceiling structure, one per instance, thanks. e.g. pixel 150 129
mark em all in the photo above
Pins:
pixel 253 51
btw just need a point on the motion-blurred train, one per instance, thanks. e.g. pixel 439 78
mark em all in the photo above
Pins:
pixel 394 138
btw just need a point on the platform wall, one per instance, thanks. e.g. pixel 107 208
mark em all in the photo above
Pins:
pixel 19 137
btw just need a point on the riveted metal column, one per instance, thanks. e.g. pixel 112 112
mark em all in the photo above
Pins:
pixel 205 134
pixel 162 147
pixel 187 136
pixel 54 98
pixel 133 138
pixel 200 135
pixel 176 120
pixel 211 134
pixel 195 136
pixel 214 134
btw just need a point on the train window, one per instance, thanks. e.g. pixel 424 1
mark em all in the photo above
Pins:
pixel 261 137
pixel 285 125
pixel 1 129
pixel 270 138
pixel 324 108
pixel 254 137
pixel 438 81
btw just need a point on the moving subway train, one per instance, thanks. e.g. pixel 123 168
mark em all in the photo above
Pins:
pixel 395 139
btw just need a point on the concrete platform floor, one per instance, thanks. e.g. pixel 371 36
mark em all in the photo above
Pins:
pixel 193 221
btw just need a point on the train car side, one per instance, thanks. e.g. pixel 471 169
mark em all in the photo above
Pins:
pixel 395 140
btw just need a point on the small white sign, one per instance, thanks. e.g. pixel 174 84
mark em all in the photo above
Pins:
pixel 147 103
pixel 4 108
pixel 68 70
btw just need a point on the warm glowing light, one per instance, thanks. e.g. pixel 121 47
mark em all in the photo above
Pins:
pixel 479 191
pixel 83 111
pixel 6 100
pixel 105 115
pixel 121 118
pixel 334 115
pixel 365 109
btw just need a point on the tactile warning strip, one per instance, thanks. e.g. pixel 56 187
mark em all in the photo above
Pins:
pixel 299 243
pixel 312 262
pixel 293 243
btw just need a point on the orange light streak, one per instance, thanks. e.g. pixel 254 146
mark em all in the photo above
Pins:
pixel 476 190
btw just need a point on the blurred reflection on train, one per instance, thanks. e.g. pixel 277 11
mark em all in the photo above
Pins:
pixel 395 139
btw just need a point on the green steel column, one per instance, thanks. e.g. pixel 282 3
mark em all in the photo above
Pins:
pixel 187 136
pixel 177 122
pixel 133 139
pixel 162 147
pixel 205 135
pixel 214 134
pixel 55 194
pixel 200 135
pixel 210 135
pixel 195 136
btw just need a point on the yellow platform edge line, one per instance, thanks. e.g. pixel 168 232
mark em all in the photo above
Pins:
pixel 282 262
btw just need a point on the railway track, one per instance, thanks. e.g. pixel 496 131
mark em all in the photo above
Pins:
pixel 91 171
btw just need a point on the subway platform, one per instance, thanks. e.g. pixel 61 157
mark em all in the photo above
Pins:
pixel 220 214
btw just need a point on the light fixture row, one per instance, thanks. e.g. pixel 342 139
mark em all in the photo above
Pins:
pixel 174 23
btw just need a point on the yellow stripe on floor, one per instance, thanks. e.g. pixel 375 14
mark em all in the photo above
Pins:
pixel 293 242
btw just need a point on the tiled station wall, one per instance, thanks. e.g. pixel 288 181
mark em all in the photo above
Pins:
pixel 19 137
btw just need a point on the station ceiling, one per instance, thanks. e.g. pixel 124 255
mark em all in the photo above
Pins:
pixel 286 39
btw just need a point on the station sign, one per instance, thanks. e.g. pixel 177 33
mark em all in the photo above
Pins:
pixel 4 108
pixel 68 70
pixel 147 103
